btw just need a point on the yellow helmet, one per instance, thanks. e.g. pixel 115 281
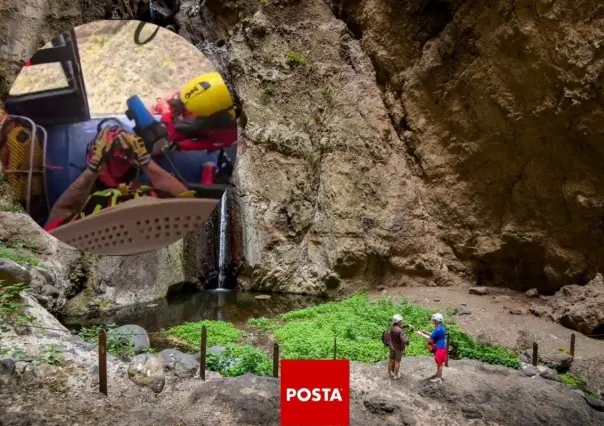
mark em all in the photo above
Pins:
pixel 206 95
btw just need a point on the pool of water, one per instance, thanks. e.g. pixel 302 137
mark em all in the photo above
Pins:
pixel 235 307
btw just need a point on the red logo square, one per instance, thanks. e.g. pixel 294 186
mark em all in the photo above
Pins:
pixel 315 393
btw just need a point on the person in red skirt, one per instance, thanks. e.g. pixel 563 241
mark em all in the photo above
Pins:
pixel 438 346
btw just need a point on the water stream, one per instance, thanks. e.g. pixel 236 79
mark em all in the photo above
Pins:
pixel 222 241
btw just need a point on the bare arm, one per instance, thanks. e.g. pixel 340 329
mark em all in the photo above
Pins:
pixel 162 180
pixel 73 199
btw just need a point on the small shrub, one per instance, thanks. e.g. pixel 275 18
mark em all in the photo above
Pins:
pixel 240 359
pixel 118 346
pixel 50 355
pixel 265 324
pixel 12 307
pixel 267 93
pixel 295 58
pixel 577 382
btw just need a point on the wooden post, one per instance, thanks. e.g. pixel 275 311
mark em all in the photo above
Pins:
pixel 447 359
pixel 103 362
pixel 335 348
pixel 276 360
pixel 572 345
pixel 535 353
pixel 202 353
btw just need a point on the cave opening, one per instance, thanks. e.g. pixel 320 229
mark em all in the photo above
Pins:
pixel 598 332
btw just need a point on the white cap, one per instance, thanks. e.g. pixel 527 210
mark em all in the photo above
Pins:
pixel 397 318
pixel 437 318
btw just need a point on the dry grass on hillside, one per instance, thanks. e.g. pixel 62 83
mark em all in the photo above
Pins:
pixel 115 68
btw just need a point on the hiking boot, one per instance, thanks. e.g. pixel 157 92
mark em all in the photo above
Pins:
pixel 436 380
pixel 397 376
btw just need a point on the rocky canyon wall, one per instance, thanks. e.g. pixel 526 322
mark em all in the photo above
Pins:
pixel 396 143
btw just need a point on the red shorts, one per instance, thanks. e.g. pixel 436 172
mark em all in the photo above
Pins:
pixel 441 356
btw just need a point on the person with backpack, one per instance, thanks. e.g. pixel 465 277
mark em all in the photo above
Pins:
pixel 396 340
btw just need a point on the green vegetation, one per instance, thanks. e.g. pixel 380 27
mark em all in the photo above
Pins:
pixel 118 346
pixel 577 382
pixel 18 252
pixel 220 333
pixel 238 359
pixel 328 93
pixel 358 324
pixel 48 355
pixel 311 158
pixel 295 58
pixel 12 307
pixel 14 208
pixel 267 92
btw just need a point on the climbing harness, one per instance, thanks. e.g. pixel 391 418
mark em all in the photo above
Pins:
pixel 23 157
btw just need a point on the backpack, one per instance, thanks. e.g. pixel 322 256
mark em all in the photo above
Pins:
pixel 386 338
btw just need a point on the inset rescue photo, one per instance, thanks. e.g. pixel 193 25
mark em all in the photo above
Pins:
pixel 119 137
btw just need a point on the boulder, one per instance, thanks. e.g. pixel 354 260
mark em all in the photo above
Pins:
pixel 529 370
pixel 517 311
pixel 580 307
pixel 184 365
pixel 480 291
pixel 135 334
pixel 548 373
pixel 462 310
pixel 533 292
pixel 596 404
pixel 147 371
pixel 560 363
pixel 7 367
pixel 12 273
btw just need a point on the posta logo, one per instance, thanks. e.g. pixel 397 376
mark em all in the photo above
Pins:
pixel 315 393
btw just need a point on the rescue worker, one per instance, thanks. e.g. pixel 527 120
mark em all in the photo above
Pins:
pixel 79 200
pixel 200 116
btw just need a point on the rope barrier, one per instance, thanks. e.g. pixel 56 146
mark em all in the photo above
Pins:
pixel 107 330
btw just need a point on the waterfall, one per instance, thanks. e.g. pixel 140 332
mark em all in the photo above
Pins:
pixel 223 238
pixel 151 12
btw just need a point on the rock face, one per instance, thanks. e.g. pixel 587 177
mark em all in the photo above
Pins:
pixel 458 95
pixel 399 144
pixel 326 195
pixel 581 307
pixel 125 280
pixel 394 182
pixel 64 279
